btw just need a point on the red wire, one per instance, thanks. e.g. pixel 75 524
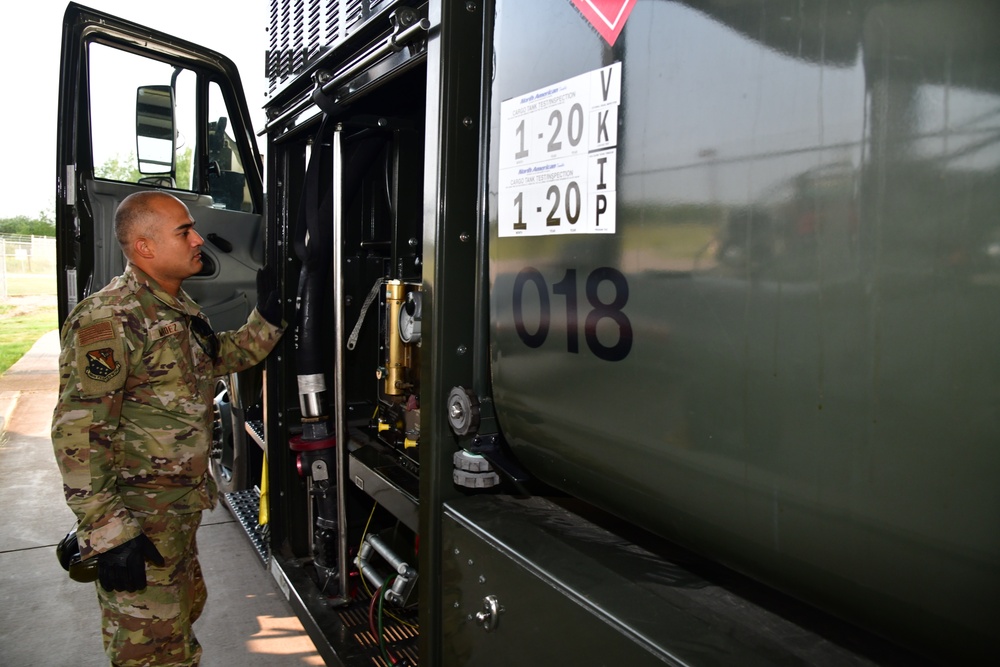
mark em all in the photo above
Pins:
pixel 381 636
pixel 371 611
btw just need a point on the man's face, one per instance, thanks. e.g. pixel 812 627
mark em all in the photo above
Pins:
pixel 177 245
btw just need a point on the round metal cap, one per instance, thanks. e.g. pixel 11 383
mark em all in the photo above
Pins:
pixel 463 410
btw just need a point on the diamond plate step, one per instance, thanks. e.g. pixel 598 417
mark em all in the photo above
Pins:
pixel 245 506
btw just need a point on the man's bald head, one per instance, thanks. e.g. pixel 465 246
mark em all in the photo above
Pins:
pixel 137 216
pixel 156 233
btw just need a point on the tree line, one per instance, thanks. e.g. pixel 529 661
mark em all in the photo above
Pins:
pixel 116 168
pixel 40 225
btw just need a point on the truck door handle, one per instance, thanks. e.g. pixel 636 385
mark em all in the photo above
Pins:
pixel 489 617
pixel 219 242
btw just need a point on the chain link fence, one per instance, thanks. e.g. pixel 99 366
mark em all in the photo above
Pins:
pixel 28 266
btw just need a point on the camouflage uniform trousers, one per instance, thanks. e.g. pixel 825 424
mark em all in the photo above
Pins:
pixel 153 626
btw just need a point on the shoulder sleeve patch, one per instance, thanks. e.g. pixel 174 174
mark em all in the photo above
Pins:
pixel 100 358
pixel 95 332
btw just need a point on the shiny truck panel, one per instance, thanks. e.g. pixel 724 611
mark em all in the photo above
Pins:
pixel 783 355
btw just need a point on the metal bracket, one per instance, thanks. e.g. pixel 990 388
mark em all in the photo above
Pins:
pixel 491 448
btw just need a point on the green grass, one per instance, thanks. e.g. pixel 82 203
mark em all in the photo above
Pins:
pixel 19 332
pixel 23 284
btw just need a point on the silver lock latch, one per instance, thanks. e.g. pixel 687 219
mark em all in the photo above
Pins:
pixel 489 617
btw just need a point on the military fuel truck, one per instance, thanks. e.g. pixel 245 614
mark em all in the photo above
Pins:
pixel 620 332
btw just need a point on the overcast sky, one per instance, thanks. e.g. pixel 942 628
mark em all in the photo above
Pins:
pixel 29 58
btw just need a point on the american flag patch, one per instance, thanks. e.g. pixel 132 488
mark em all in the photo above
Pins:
pixel 94 333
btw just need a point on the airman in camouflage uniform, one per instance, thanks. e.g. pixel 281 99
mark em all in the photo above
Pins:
pixel 132 427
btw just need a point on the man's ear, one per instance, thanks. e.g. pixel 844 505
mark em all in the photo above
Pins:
pixel 143 247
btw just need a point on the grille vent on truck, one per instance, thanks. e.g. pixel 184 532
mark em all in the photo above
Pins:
pixel 302 30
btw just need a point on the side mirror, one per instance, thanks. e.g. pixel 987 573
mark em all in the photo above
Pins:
pixel 154 129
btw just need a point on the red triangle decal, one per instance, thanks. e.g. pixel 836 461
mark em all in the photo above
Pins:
pixel 607 16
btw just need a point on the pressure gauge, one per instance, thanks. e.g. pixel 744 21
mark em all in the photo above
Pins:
pixel 409 318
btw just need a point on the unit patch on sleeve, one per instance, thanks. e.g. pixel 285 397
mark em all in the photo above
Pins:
pixel 101 364
pixel 100 354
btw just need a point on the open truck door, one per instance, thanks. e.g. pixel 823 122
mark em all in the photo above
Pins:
pixel 140 110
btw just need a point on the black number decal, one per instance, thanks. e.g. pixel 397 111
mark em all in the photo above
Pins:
pixel 574 128
pixel 554 143
pixel 573 205
pixel 525 276
pixel 612 311
pixel 575 114
pixel 573 194
pixel 553 220
pixel 519 203
pixel 567 288
pixel 523 152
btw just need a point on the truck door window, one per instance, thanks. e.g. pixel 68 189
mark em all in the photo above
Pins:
pixel 227 181
pixel 115 77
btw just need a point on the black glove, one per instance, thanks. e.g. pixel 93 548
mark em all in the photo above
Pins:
pixel 124 567
pixel 268 300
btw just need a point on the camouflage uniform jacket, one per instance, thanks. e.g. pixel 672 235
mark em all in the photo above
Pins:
pixel 132 428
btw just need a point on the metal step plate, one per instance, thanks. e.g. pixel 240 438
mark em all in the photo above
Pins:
pixel 245 506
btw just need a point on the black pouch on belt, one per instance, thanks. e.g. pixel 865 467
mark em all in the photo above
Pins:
pixel 68 553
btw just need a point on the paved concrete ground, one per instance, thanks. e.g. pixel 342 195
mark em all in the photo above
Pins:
pixel 48 620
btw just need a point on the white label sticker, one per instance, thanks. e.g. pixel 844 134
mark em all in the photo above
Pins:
pixel 558 155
